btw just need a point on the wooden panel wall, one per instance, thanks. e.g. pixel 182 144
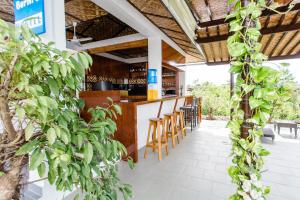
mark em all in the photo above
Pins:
pixel 106 67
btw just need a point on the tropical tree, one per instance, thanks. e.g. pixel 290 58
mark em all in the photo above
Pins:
pixel 215 98
pixel 42 128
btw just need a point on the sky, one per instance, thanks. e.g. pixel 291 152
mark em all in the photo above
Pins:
pixel 219 74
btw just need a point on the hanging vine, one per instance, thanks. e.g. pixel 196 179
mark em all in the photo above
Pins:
pixel 255 90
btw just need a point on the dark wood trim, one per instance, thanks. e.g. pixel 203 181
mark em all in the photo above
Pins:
pixel 78 34
pixel 265 31
pixel 164 28
pixel 6 13
pixel 156 15
pixel 160 108
pixel 172 37
pixel 219 44
pixel 87 27
pixel 264 13
pixel 285 57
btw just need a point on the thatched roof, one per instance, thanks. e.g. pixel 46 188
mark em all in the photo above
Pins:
pixel 280 32
pixel 160 16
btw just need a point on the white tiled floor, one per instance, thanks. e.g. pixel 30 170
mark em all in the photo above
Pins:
pixel 197 168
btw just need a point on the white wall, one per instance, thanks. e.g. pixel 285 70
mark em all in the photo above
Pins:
pixel 55 23
pixel 182 83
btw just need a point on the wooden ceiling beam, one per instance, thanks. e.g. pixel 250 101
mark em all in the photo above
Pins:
pixel 264 13
pixel 121 46
pixel 296 56
pixel 264 31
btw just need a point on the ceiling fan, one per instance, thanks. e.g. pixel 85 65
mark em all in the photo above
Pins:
pixel 77 41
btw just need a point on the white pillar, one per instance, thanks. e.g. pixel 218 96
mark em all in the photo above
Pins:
pixel 55 23
pixel 182 83
pixel 155 60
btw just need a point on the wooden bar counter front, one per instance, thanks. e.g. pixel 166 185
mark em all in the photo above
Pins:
pixel 134 121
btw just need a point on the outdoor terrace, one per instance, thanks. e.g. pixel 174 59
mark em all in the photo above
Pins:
pixel 197 168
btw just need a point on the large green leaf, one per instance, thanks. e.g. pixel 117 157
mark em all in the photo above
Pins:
pixel 27 148
pixel 36 159
pixel 237 49
pixel 254 103
pixel 88 152
pixel 51 136
pixel 53 86
pixel 29 130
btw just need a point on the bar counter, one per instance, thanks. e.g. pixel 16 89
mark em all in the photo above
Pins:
pixel 133 123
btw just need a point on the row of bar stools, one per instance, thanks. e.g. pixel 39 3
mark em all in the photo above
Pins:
pixel 160 130
pixel 158 137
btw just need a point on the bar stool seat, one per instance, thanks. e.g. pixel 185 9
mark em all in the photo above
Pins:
pixel 179 119
pixel 170 128
pixel 157 139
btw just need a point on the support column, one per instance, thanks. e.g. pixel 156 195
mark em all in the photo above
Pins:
pixel 245 106
pixel 55 23
pixel 231 91
pixel 155 60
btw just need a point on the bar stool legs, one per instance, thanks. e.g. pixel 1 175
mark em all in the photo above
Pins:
pixel 179 121
pixel 170 128
pixel 158 136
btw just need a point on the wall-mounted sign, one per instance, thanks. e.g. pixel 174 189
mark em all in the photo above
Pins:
pixel 31 13
pixel 152 84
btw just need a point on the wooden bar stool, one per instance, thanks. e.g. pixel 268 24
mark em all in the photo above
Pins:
pixel 170 128
pixel 179 118
pixel 157 139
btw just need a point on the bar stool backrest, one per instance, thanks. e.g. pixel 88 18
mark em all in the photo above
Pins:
pixel 180 103
pixel 195 102
pixel 167 107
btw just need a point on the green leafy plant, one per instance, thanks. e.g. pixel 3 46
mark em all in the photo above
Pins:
pixel 215 98
pixel 255 92
pixel 42 127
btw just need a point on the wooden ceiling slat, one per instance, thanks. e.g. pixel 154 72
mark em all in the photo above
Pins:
pixel 292 49
pixel 225 54
pixel 216 49
pixel 283 43
pixel 273 44
pixel 292 42
pixel 207 49
pixel 296 50
pixel 264 41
